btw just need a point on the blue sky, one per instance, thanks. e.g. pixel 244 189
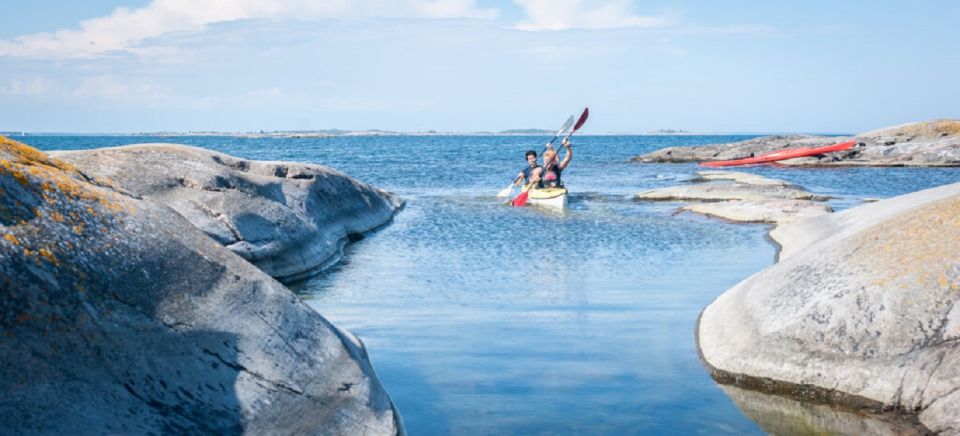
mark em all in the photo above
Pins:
pixel 469 65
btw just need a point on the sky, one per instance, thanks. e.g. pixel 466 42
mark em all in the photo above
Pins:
pixel 104 66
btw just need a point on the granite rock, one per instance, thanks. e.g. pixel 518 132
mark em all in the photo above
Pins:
pixel 863 309
pixel 288 219
pixel 930 143
pixel 741 197
pixel 119 316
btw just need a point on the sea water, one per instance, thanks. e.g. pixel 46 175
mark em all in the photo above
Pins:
pixel 487 319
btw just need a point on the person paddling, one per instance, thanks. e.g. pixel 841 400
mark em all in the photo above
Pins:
pixel 549 174
pixel 524 176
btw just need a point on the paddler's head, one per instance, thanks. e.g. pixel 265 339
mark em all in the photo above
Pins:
pixel 548 157
pixel 531 158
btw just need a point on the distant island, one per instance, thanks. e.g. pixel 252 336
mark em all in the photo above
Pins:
pixel 668 132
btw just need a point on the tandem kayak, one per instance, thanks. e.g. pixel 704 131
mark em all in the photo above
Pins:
pixel 774 156
pixel 548 197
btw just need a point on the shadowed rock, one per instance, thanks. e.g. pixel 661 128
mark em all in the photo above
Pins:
pixel 862 308
pixel 118 316
pixel 286 218
pixel 932 143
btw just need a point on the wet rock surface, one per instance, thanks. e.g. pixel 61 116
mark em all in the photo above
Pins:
pixel 931 143
pixel 860 310
pixel 288 219
pixel 119 316
pixel 741 197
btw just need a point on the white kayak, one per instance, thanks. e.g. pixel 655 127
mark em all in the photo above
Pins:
pixel 548 197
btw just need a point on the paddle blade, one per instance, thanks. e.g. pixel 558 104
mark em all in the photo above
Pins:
pixel 521 199
pixel 583 119
pixel 506 191
pixel 566 126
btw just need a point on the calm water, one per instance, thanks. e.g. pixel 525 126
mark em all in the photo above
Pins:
pixel 484 319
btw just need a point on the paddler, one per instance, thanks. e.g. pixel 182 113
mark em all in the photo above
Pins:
pixel 526 173
pixel 548 176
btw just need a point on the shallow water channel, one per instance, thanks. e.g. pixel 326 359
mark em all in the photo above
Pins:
pixel 486 319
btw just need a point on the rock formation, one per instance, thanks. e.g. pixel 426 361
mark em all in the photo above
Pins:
pixel 741 197
pixel 863 309
pixel 933 143
pixel 288 219
pixel 119 316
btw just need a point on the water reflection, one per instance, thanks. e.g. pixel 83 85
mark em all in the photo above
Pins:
pixel 783 416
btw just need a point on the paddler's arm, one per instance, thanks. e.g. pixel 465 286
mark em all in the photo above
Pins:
pixel 568 156
pixel 535 176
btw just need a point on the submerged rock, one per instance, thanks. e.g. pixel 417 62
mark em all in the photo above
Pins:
pixel 288 219
pixel 120 317
pixel 932 143
pixel 863 309
pixel 741 197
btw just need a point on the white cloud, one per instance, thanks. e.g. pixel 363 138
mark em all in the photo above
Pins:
pixel 125 28
pixel 27 87
pixel 584 14
pixel 119 90
pixel 100 89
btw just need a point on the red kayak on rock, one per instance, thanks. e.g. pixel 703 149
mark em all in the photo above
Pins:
pixel 774 156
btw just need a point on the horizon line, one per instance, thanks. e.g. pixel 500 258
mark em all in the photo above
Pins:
pixel 378 132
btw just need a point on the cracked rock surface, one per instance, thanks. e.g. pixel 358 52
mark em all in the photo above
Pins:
pixel 288 219
pixel 119 316
pixel 863 306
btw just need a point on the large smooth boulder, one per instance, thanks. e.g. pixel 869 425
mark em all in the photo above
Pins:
pixel 118 316
pixel 288 219
pixel 864 309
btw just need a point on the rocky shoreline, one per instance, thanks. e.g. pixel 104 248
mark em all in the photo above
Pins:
pixel 860 311
pixel 931 143
pixel 288 219
pixel 138 300
pixel 741 197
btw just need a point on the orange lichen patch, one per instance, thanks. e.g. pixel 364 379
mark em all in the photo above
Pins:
pixel 925 129
pixel 54 180
pixel 13 239
pixel 47 254
pixel 28 155
pixel 19 176
pixel 78 229
pixel 911 250
pixel 56 216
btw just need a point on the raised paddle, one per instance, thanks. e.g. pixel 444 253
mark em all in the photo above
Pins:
pixel 583 119
pixel 521 199
pixel 566 126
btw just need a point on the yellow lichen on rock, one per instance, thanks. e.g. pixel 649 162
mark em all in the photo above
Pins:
pixel 53 177
pixel 48 255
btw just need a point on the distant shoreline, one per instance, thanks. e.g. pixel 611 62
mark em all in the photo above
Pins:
pixel 335 134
